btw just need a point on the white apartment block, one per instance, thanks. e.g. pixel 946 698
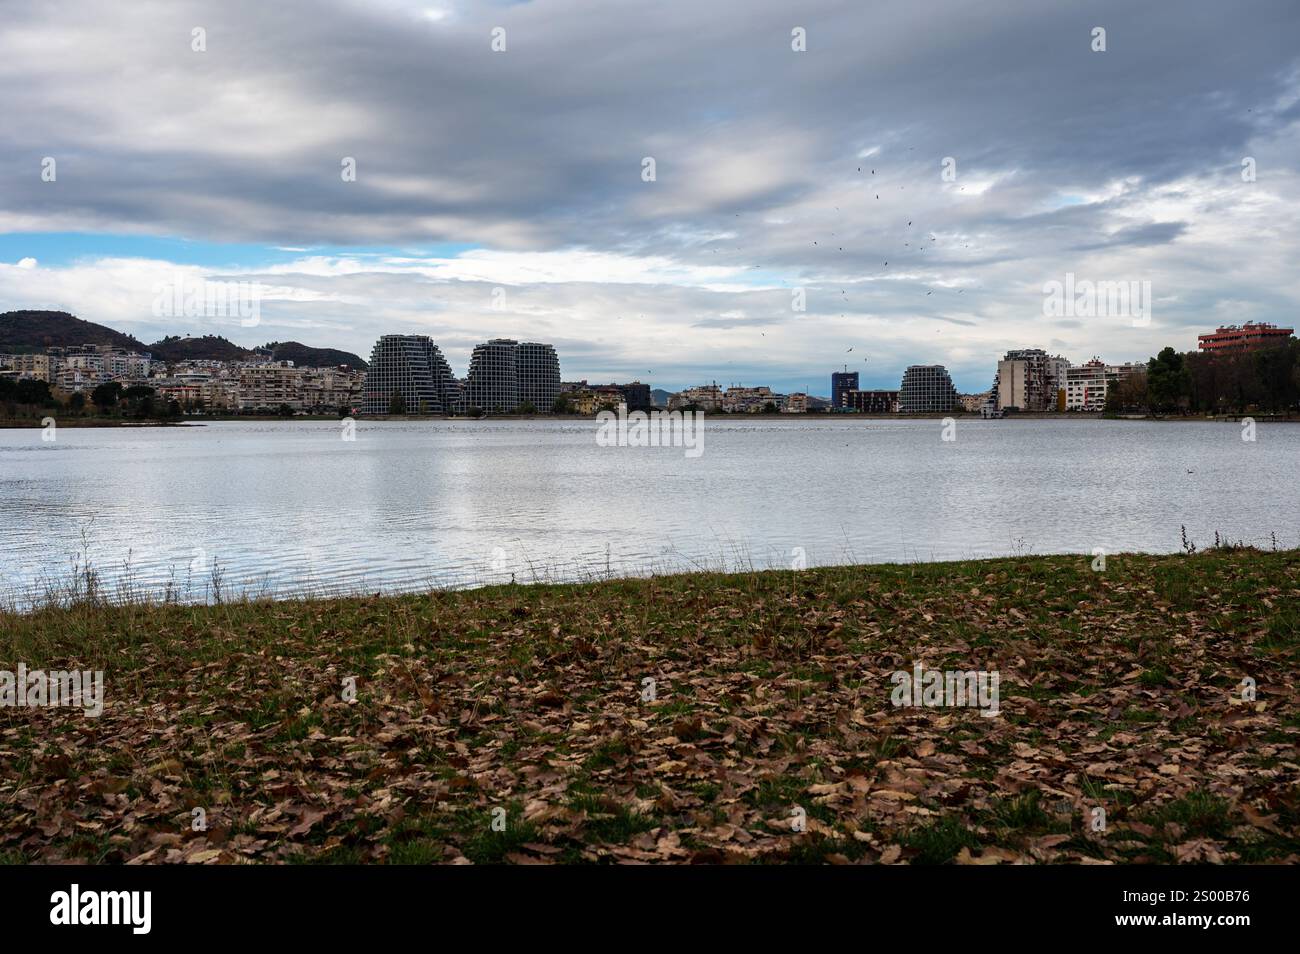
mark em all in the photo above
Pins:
pixel 270 386
pixel 1086 386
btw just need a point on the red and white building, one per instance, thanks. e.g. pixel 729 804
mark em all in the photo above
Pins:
pixel 1243 337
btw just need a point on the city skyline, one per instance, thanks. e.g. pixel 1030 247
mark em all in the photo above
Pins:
pixel 1122 164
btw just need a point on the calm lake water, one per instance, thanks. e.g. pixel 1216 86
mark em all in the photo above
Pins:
pixel 289 508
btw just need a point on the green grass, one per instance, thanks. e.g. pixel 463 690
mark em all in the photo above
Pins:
pixel 940 842
pixel 773 690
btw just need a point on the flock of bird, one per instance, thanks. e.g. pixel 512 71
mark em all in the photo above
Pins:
pixel 921 246
pixel 843 293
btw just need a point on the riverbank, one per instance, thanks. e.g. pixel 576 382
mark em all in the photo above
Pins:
pixel 676 719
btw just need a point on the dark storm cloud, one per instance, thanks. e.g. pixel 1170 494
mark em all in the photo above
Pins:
pixel 541 145
pixel 1153 233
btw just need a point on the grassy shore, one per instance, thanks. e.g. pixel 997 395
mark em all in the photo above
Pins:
pixel 1120 690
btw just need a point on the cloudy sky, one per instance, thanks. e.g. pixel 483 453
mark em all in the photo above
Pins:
pixel 505 193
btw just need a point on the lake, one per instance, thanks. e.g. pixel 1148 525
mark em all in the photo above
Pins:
pixel 287 508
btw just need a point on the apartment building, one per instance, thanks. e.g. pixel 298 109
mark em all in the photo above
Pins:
pixel 505 375
pixel 870 402
pixel 271 386
pixel 36 366
pixel 537 371
pixel 796 403
pixel 1243 337
pixel 1086 386
pixel 842 383
pixel 927 389
pixel 327 389
pixel 1029 379
pixel 741 400
pixel 86 367
pixel 413 368
pixel 706 397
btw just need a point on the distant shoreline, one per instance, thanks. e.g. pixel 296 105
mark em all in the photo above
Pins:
pixel 92 422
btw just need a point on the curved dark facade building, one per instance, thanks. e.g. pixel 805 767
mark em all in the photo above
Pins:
pixel 927 389
pixel 505 374
pixel 537 368
pixel 411 366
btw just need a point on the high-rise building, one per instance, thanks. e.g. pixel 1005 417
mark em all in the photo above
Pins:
pixel 537 368
pixel 492 384
pixel 1029 379
pixel 842 382
pixel 412 368
pixel 927 389
pixel 504 375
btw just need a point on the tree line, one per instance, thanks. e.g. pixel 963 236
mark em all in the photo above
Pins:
pixel 32 398
pixel 1265 380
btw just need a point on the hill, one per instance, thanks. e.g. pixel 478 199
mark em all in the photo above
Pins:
pixel 304 356
pixel 217 348
pixel 174 348
pixel 30 331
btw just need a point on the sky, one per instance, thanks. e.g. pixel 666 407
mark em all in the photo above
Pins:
pixel 981 150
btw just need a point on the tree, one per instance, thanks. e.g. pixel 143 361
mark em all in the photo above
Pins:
pixel 1130 393
pixel 769 407
pixel 526 407
pixel 1168 381
pixel 33 391
pixel 106 395
pixel 137 392
pixel 138 401
pixel 77 401
pixel 562 405
pixel 397 403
